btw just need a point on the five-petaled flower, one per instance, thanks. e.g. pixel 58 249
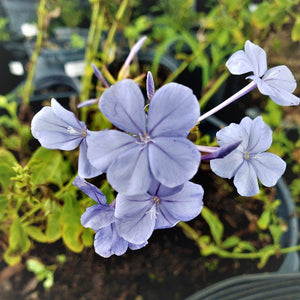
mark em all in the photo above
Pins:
pixel 57 128
pixel 249 160
pixel 278 82
pixel 156 146
pixel 100 217
pixel 161 207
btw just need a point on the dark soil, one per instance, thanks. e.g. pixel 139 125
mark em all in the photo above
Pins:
pixel 169 267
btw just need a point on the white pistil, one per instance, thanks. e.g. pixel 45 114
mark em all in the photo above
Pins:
pixel 73 131
pixel 144 139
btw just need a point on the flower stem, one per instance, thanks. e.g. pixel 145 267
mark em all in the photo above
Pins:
pixel 28 87
pixel 248 88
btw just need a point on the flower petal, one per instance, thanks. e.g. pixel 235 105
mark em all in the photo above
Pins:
pixel 245 180
pixel 91 190
pixel 134 219
pixel 239 63
pixel 232 133
pixel 278 83
pixel 182 206
pixel 97 216
pixel 257 57
pixel 173 161
pixel 67 116
pixel 123 104
pixel 130 173
pixel 173 111
pixel 268 167
pixel 53 132
pixel 105 146
pixel 108 242
pixel 253 59
pixel 85 169
pixel 157 189
pixel 259 134
pixel 227 167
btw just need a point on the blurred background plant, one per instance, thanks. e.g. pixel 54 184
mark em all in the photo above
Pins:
pixel 187 41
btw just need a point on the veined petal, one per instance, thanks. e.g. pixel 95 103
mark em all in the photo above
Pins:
pixel 157 189
pixel 106 145
pixel 259 134
pixel 134 219
pixel 108 242
pixel 53 132
pixel 278 83
pixel 173 161
pixel 245 180
pixel 182 206
pixel 85 168
pixel 130 174
pixel 90 190
pixel 280 77
pixel 67 116
pixel 268 167
pixel 228 166
pixel 123 104
pixel 173 111
pixel 97 216
pixel 257 57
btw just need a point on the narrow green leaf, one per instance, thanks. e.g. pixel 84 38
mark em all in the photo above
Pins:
pixel 230 242
pixel 215 225
pixel 36 233
pixel 296 30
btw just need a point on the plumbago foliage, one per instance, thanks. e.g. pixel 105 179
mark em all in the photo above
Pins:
pixel 149 160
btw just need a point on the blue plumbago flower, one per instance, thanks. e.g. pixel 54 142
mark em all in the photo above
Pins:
pixel 249 160
pixel 57 128
pixel 278 83
pixel 161 207
pixel 100 217
pixel 156 146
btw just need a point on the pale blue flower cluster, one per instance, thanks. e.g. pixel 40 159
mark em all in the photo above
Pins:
pixel 149 160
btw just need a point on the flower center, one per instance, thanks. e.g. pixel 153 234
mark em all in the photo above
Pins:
pixel 156 200
pixel 247 155
pixel 144 139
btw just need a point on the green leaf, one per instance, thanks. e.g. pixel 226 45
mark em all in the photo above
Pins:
pixel 44 164
pixel 3 203
pixel 276 232
pixel 18 243
pixel 215 225
pixel 36 233
pixel 53 229
pixel 264 220
pixel 70 222
pixel 230 242
pixel 244 246
pixel 7 161
pixel 266 252
pixel 87 237
pixel 296 30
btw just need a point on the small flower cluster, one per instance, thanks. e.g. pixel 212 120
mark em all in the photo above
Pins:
pixel 149 161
